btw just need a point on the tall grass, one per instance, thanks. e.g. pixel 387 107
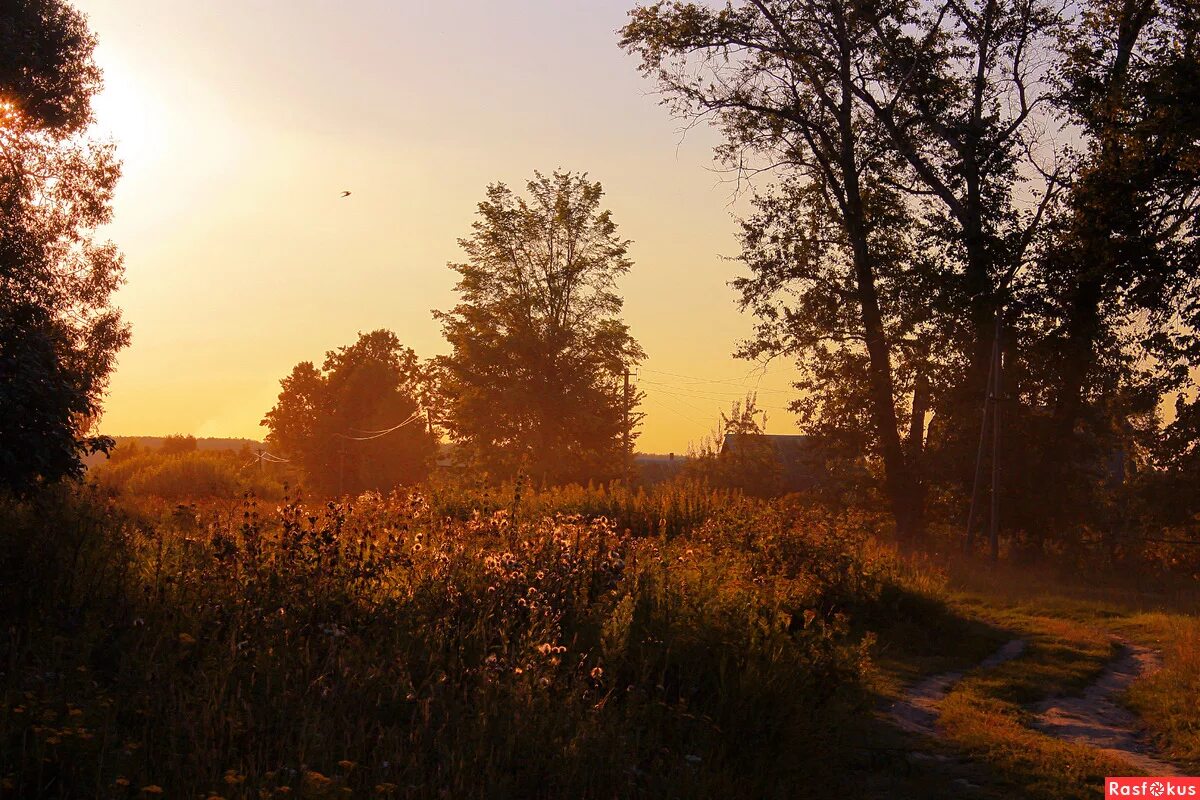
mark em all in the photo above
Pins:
pixel 426 645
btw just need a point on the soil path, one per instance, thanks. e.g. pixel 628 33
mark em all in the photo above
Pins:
pixel 1095 719
pixel 917 711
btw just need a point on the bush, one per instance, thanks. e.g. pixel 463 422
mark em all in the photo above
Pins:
pixel 187 475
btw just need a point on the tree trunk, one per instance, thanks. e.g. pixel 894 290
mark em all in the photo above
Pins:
pixel 901 489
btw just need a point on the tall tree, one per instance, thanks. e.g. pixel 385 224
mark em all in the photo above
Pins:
pixel 58 333
pixel 358 422
pixel 827 247
pixel 1115 289
pixel 534 379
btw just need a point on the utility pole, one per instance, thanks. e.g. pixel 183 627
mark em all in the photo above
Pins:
pixel 998 368
pixel 628 454
pixel 991 412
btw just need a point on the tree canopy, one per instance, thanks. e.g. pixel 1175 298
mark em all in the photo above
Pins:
pixel 921 169
pixel 534 378
pixel 357 423
pixel 59 335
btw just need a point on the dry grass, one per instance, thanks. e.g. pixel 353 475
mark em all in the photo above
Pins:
pixel 381 648
pixel 986 714
pixel 508 643
pixel 1169 701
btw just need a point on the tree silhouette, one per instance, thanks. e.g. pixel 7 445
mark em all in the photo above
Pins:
pixel 534 378
pixel 58 334
pixel 940 165
pixel 358 422
pixel 828 248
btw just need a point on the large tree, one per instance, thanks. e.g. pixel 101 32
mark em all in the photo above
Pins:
pixel 827 247
pixel 1114 293
pixel 357 423
pixel 534 380
pixel 922 187
pixel 59 334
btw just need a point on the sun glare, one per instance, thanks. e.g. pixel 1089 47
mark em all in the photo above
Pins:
pixel 129 112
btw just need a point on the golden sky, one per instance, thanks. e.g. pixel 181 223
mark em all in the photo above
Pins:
pixel 240 123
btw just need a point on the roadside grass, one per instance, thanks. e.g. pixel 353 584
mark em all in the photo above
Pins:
pixel 1169 700
pixel 376 647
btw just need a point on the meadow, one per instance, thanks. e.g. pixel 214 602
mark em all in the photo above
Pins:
pixel 382 646
pixel 460 642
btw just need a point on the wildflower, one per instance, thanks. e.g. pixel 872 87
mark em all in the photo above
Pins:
pixel 544 649
pixel 597 673
pixel 346 764
pixel 315 781
pixel 121 781
pixel 152 789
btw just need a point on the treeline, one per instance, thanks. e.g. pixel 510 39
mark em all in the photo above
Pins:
pixel 535 384
pixel 962 206
pixel 178 470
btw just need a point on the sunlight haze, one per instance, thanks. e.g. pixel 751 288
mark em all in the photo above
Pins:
pixel 240 124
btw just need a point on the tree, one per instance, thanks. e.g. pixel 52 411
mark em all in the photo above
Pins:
pixel 357 423
pixel 58 334
pixel 826 248
pixel 1115 285
pixel 920 194
pixel 738 455
pixel 534 379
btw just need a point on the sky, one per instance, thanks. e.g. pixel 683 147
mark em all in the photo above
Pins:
pixel 240 124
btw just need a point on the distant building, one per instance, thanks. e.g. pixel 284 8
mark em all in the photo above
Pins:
pixel 793 460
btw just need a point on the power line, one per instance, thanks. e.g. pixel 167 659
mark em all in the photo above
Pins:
pixel 696 379
pixel 693 396
pixel 379 434
pixel 673 411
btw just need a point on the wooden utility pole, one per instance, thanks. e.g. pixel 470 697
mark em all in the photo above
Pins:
pixel 342 470
pixel 997 408
pixel 991 413
pixel 625 432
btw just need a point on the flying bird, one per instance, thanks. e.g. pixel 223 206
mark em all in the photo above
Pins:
pixel 345 194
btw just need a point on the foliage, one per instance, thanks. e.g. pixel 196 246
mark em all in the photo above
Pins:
pixel 58 333
pixel 938 167
pixel 357 423
pixel 534 379
pixel 188 475
pixel 750 464
pixel 377 647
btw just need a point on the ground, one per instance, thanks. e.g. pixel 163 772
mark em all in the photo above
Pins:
pixel 1046 686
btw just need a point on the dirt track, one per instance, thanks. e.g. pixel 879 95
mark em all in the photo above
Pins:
pixel 1094 718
